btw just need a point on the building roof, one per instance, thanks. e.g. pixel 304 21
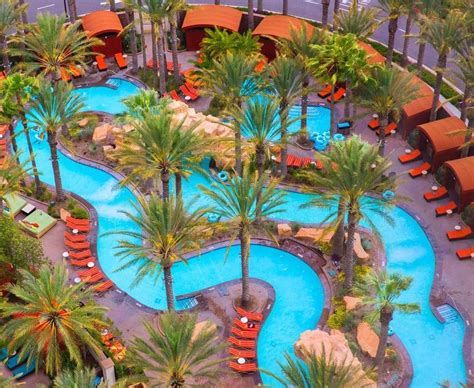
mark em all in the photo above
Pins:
pixel 213 16
pixel 373 56
pixel 438 134
pixel 101 22
pixel 422 103
pixel 280 26
pixel 462 170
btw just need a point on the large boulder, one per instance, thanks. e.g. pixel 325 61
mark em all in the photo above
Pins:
pixel 367 339
pixel 101 133
pixel 284 230
pixel 312 235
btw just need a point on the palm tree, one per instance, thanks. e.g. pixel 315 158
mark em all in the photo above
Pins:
pixel 130 22
pixel 324 21
pixel 139 8
pixel 143 103
pixel 78 378
pixel 72 7
pixel 335 11
pixel 381 290
pixel 51 319
pixel 12 176
pixel 7 382
pixel 10 16
pixel 55 106
pixel 236 201
pixel 360 22
pixel 250 18
pixel 444 35
pixel 465 73
pixel 176 355
pixel 385 93
pixel 352 169
pixel 51 46
pixel 410 12
pixel 287 83
pixel 176 6
pixel 170 230
pixel 394 9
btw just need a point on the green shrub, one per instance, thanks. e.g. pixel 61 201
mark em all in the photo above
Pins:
pixel 414 138
pixel 360 272
pixel 468 215
pixel 216 106
pixel 126 43
pixel 440 175
pixel 325 246
pixel 80 213
pixel 340 318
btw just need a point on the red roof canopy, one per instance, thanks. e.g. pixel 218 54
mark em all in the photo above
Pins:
pixel 280 26
pixel 212 16
pixel 101 22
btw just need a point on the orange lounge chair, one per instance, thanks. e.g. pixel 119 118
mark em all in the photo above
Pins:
pixel 77 246
pixel 94 278
pixel 260 66
pixel 101 64
pixel 341 92
pixel 374 124
pixel 82 262
pixel 252 316
pixel 80 254
pixel 192 89
pixel 412 156
pixel 434 195
pixel 75 71
pixel 244 333
pixel 243 368
pixel 88 272
pixel 242 353
pixel 2 75
pixel 325 92
pixel 74 237
pixel 388 129
pixel 464 254
pixel 417 171
pixel 102 287
pixel 175 96
pixel 121 61
pixel 187 93
pixel 245 326
pixel 80 228
pixel 443 209
pixel 459 234
pixel 65 75
pixel 248 344
pixel 77 221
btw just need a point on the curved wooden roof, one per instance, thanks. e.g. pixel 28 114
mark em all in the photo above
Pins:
pixel 373 56
pixel 462 170
pixel 212 16
pixel 437 133
pixel 101 22
pixel 280 26
pixel 421 104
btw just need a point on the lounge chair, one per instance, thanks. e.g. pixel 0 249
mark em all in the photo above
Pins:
pixel 80 228
pixel 187 93
pixel 344 125
pixel 121 61
pixel 242 353
pixel 465 254
pixel 80 254
pixel 2 75
pixel 77 246
pixel 192 89
pixel 248 344
pixel 175 96
pixel 88 272
pixel 244 333
pixel 444 209
pixel 74 237
pixel 65 75
pixel 14 361
pixel 101 64
pixel 250 315
pixel 75 71
pixel 82 262
pixel 373 124
pixel 459 234
pixel 24 370
pixel 434 195
pixel 244 326
pixel 412 156
pixel 243 368
pixel 3 353
pixel 341 92
pixel 102 287
pixel 388 129
pixel 94 278
pixel 260 66
pixel 325 92
pixel 417 171
pixel 77 221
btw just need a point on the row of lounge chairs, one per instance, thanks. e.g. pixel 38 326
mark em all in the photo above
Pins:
pixel 119 59
pixel 187 92
pixel 114 345
pixel 338 94
pixel 374 125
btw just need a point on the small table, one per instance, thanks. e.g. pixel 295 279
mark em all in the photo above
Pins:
pixel 77 280
pixel 90 264
pixel 449 212
pixel 434 188
pixel 65 255
pixel 241 360
pixel 244 319
pixel 75 231
pixel 187 98
pixel 393 132
pixel 407 150
pixel 457 227
pixel 28 209
pixel 424 173
pixel 375 116
pixel 472 255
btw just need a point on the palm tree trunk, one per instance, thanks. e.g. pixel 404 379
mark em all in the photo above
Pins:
pixel 335 12
pixel 169 288
pixel 259 6
pixel 470 129
pixel 259 161
pixel 217 2
pixel 71 4
pixel 285 7
pixel 325 16
pixel 406 42
pixel 465 103
pixel 178 183
pixel 174 50
pixel 349 254
pixel 383 125
pixel 161 57
pixel 250 19
pixel 24 16
pixel 238 153
pixel 142 33
pixel 392 30
pixel 4 48
pixel 154 55
pixel 385 318
pixel 284 140
pixel 165 182
pixel 304 109
pixel 333 112
pixel 130 18
pixel 347 100
pixel 338 237
pixel 440 68
pixel 113 6
pixel 53 144
pixel 421 57
pixel 244 256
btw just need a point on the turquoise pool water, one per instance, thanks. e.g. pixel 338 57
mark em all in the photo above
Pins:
pixel 435 348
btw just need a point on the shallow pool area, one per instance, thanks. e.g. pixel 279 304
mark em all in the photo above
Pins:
pixel 435 348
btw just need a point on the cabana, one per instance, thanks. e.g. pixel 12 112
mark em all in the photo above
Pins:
pixel 438 144
pixel 277 27
pixel 106 26
pixel 460 180
pixel 208 16
pixel 373 56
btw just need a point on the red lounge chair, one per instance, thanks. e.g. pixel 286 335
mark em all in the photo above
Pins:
pixel 75 71
pixel 464 254
pixel 187 93
pixel 374 124
pixel 434 195
pixel 82 262
pixel 121 61
pixel 341 92
pixel 443 210
pixel 65 75
pixel 175 96
pixel 169 65
pixel 80 254
pixel 75 237
pixel 94 278
pixel 102 287
pixel 325 92
pixel 77 246
pixel 88 272
pixel 244 333
pixel 260 66
pixel 388 129
pixel 459 234
pixel 412 156
pixel 242 353
pixel 2 75
pixel 101 64
pixel 417 171
pixel 77 221
pixel 244 326
pixel 192 89
pixel 80 228
pixel 243 368
pixel 252 316
pixel 248 344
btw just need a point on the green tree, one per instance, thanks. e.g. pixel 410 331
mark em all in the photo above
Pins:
pixel 76 378
pixel 12 176
pixel 130 22
pixel 360 22
pixel 10 16
pixel 465 73
pixel 236 202
pixel 51 319
pixel 171 230
pixel 380 291
pixel 55 106
pixel 143 103
pixel 394 9
pixel 174 355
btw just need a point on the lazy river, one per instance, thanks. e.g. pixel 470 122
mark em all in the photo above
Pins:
pixel 435 348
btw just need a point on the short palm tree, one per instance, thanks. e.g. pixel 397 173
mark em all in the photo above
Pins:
pixel 77 378
pixel 394 9
pixel 55 106
pixel 143 103
pixel 385 93
pixel 380 291
pixel 359 22
pixel 287 83
pixel 175 355
pixel 352 170
pixel 51 319
pixel 10 17
pixel 237 203
pixel 170 231
pixel 12 176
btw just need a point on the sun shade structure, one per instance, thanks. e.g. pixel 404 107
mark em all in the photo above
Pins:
pixel 277 27
pixel 208 16
pixel 373 56
pixel 105 25
pixel 460 178
pixel 438 143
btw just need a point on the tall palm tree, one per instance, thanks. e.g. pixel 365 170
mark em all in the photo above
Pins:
pixel 410 12
pixel 381 290
pixel 170 230
pixel 72 7
pixel 12 176
pixel 444 35
pixel 287 83
pixel 175 355
pixel 324 21
pixel 352 169
pixel 176 6
pixel 77 378
pixel 139 8
pixel 55 106
pixel 10 16
pixel 250 17
pixel 236 202
pixel 465 73
pixel 285 7
pixel 260 6
pixel 130 22
pixel 51 319
pixel 51 46
pixel 335 11
pixel 385 93
pixel 394 9
pixel 360 22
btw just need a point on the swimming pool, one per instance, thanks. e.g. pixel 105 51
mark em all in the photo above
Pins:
pixel 435 348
